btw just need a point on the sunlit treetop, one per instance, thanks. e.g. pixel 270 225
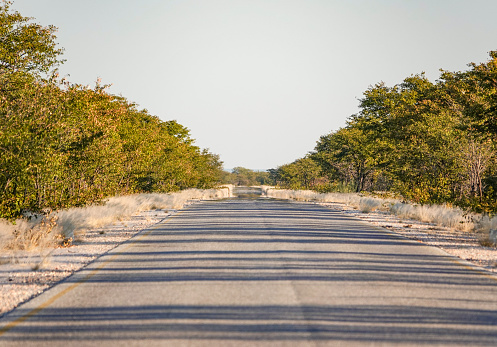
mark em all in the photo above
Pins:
pixel 26 46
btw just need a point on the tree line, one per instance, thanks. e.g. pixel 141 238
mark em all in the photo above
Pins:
pixel 241 176
pixel 431 143
pixel 64 144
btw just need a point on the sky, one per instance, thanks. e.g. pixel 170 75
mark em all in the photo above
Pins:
pixel 259 81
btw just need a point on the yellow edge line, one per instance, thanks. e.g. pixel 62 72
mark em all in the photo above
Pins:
pixel 464 263
pixel 47 303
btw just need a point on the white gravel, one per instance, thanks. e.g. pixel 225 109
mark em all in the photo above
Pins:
pixel 26 274
pixel 462 244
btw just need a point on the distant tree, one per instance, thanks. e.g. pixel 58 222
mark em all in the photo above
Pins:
pixel 246 177
pixel 243 176
pixel 304 173
pixel 348 154
pixel 263 178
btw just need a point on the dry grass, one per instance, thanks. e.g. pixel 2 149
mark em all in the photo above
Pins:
pixel 365 204
pixel 487 234
pixel 445 216
pixel 28 235
pixel 61 227
pixel 450 217
pixel 485 240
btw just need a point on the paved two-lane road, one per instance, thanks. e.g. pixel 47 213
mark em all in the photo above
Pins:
pixel 264 272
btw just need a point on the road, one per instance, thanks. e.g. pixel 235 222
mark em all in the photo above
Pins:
pixel 263 272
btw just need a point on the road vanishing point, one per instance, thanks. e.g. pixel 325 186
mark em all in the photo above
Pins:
pixel 263 272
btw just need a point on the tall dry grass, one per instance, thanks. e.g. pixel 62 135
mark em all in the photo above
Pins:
pixel 60 227
pixel 365 204
pixel 451 217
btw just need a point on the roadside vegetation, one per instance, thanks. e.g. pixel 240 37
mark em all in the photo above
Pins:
pixel 451 217
pixel 65 145
pixel 65 226
pixel 73 157
pixel 241 176
pixel 418 141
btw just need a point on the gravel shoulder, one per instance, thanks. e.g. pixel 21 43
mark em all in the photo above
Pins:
pixel 461 244
pixel 24 275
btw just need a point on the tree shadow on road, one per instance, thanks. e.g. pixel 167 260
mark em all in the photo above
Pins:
pixel 265 243
pixel 374 323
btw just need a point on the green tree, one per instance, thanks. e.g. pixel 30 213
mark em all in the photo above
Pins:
pixel 67 145
pixel 347 154
pixel 246 177
pixel 304 173
pixel 26 47
pixel 417 137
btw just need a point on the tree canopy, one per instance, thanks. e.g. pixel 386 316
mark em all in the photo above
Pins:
pixel 429 142
pixel 241 176
pixel 64 144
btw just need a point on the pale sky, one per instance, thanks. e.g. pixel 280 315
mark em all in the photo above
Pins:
pixel 259 81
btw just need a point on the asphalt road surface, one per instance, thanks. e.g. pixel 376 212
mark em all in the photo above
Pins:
pixel 263 272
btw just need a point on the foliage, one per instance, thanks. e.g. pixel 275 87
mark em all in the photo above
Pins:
pixel 241 176
pixel 432 143
pixel 304 173
pixel 66 145
pixel 347 155
pixel 25 46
